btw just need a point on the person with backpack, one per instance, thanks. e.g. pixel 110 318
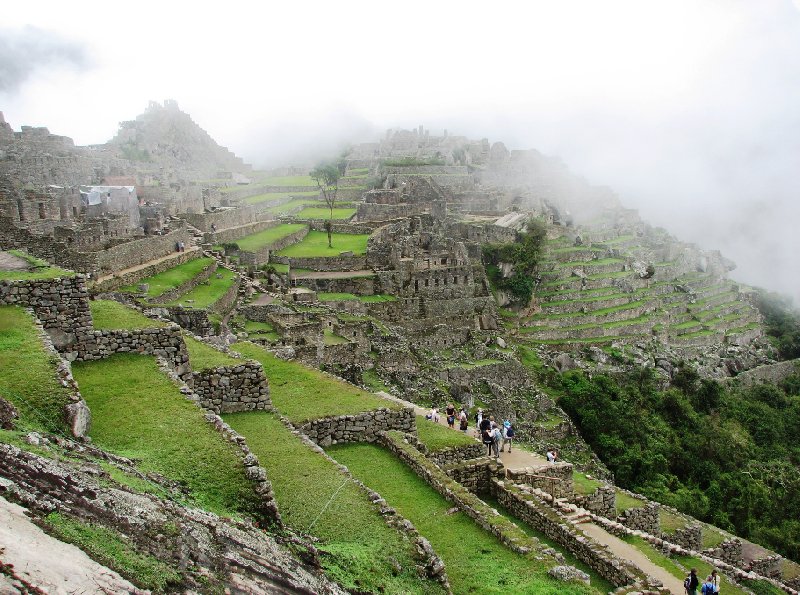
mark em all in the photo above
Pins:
pixel 486 434
pixel 451 415
pixel 508 435
pixel 462 420
pixel 691 582
pixel 708 586
pixel 715 580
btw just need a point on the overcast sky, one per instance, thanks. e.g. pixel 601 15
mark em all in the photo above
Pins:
pixel 690 110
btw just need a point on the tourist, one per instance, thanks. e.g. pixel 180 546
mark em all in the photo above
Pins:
pixel 691 582
pixel 508 435
pixel 451 415
pixel 479 421
pixel 485 433
pixel 177 246
pixel 708 586
pixel 551 456
pixel 715 580
pixel 498 436
pixel 213 228
pixel 433 415
pixel 462 421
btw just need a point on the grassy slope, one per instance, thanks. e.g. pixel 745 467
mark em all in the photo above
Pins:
pixel 316 244
pixel 27 373
pixel 41 269
pixel 438 437
pixel 202 356
pixel 476 561
pixel 139 413
pixel 111 315
pixel 172 278
pixel 268 236
pixel 273 196
pixel 302 393
pixel 323 213
pixel 208 293
pixel 359 547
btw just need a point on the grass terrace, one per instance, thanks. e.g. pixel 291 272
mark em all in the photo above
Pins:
pixel 303 394
pixel 330 338
pixel 315 244
pixel 40 269
pixel 476 364
pixel 358 548
pixel 294 204
pixel 343 297
pixel 625 502
pixel 476 561
pixel 208 293
pixel 438 437
pixel 138 412
pixel 269 236
pixel 584 485
pixel 171 278
pixel 273 196
pixel 203 356
pixel 28 377
pixel 324 213
pixel 110 315
pixel 260 330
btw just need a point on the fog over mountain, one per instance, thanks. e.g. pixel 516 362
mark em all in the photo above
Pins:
pixel 689 110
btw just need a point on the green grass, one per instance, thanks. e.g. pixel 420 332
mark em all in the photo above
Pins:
pixel 273 196
pixel 377 298
pixel 324 213
pixel 203 357
pixel 476 364
pixel 329 338
pixel 260 330
pixel 111 315
pixel 208 293
pixel 325 296
pixel 40 269
pixel 315 244
pixel 476 561
pixel 113 550
pixel 624 502
pixel 371 379
pixel 28 377
pixel 670 522
pixel 266 237
pixel 303 394
pixel 703 570
pixel 583 485
pixel 438 437
pixel 138 412
pixel 293 204
pixel 315 498
pixel 171 278
pixel 761 587
pixel 711 537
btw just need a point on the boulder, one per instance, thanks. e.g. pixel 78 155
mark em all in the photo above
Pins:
pixel 568 574
pixel 79 418
pixel 8 414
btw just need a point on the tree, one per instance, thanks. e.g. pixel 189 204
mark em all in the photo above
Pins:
pixel 327 175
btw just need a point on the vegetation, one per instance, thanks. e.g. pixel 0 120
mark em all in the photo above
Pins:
pixel 438 437
pixel 476 561
pixel 315 245
pixel 288 181
pixel 724 454
pixel 28 377
pixel 317 213
pixel 112 550
pixel 138 412
pixel 111 315
pixel 203 356
pixel 268 236
pixel 523 255
pixel 358 549
pixel 273 196
pixel 412 161
pixel 38 269
pixel 208 293
pixel 326 176
pixel 783 323
pixel 303 394
pixel 172 278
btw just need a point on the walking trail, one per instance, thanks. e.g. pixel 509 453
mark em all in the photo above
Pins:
pixel 518 459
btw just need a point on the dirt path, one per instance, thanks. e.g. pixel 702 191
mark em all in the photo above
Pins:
pixel 9 262
pixel 49 564
pixel 628 552
pixel 143 265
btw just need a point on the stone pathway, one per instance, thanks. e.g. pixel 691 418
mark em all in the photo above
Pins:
pixel 9 262
pixel 518 458
pixel 49 564
pixel 144 265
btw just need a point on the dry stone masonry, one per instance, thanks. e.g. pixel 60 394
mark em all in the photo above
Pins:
pixel 361 427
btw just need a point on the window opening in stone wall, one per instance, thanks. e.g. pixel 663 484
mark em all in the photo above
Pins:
pixel 42 211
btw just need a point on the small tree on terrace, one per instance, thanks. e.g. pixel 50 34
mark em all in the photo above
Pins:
pixel 327 178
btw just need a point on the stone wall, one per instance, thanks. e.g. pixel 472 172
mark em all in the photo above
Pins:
pixel 769 566
pixel 340 227
pixel 690 537
pixel 642 518
pixel 540 516
pixel 554 479
pixel 730 551
pixel 137 252
pixel 361 427
pixel 603 501
pixel 457 455
pixel 262 255
pixel 62 305
pixel 354 285
pixel 232 389
pixel 324 263
pixel 231 234
pixel 475 474
pixel 131 277
pixel 772 374
pixel 195 321
pixel 224 218
pixel 224 304
pixel 187 286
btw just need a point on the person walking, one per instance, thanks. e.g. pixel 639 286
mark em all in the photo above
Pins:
pixel 497 435
pixel 451 415
pixel 485 431
pixel 715 580
pixel 462 420
pixel 508 435
pixel 551 456
pixel 479 421
pixel 691 582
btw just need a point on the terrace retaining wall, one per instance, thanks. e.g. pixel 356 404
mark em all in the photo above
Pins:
pixel 324 263
pixel 361 427
pixel 141 251
pixel 231 234
pixel 603 501
pixel 262 255
pixel 131 277
pixel 232 389
pixel 555 479
pixel 186 286
pixel 643 518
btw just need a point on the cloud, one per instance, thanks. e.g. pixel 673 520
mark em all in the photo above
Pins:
pixel 29 50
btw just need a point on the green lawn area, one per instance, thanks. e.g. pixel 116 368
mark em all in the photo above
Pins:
pixel 323 213
pixel 138 412
pixel 438 437
pixel 476 561
pixel 293 204
pixel 314 497
pixel 316 244
pixel 302 394
pixel 203 357
pixel 670 522
pixel 40 269
pixel 624 502
pixel 208 293
pixel 329 338
pixel 273 196
pixel 172 278
pixel 28 377
pixel 377 298
pixel 268 236
pixel 260 330
pixel 582 484
pixel 325 296
pixel 111 315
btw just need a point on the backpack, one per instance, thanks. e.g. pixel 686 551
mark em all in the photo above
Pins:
pixel 510 432
pixel 463 424
pixel 687 582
